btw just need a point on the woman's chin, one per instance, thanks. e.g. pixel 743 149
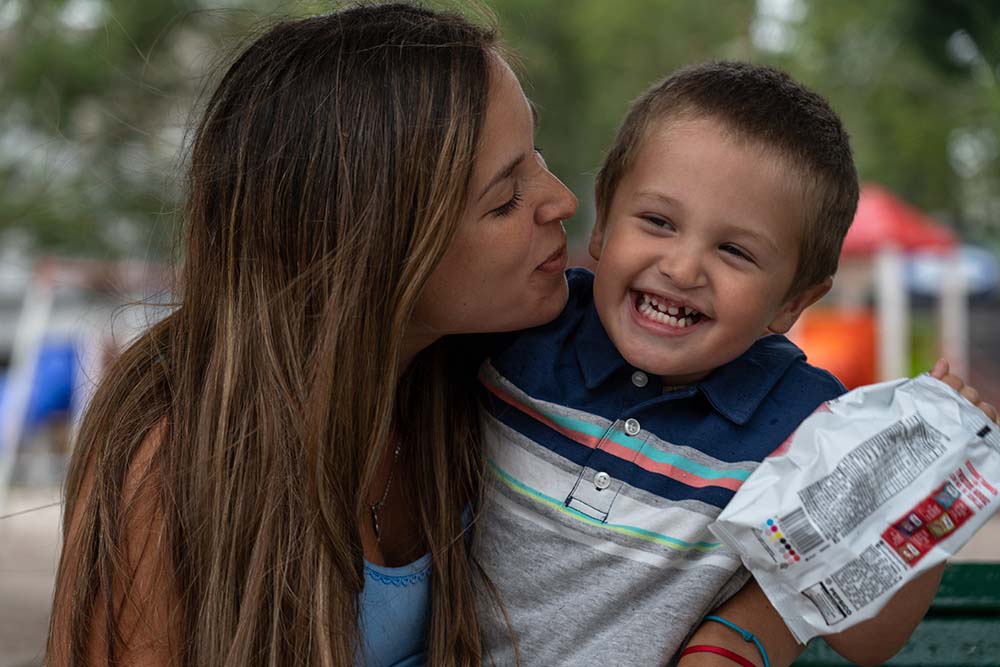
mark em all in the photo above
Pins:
pixel 553 304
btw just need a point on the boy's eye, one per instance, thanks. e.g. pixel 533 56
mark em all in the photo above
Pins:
pixel 509 207
pixel 737 252
pixel 658 221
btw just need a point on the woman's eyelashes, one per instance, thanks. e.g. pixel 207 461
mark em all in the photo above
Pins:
pixel 509 206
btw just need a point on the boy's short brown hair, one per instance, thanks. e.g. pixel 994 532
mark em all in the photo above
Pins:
pixel 761 105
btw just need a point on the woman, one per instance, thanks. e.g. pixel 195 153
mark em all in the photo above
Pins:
pixel 257 464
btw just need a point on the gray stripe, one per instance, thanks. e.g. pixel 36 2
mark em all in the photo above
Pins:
pixel 578 606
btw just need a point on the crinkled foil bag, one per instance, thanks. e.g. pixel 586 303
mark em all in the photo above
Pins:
pixel 872 489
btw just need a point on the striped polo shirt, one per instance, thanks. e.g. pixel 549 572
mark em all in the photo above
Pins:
pixel 602 485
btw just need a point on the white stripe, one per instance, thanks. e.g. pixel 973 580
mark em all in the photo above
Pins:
pixel 538 474
pixel 678 563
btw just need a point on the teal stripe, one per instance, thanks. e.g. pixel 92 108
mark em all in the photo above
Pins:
pixel 651 453
pixel 672 542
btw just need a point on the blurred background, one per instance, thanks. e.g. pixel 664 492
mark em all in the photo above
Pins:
pixel 97 99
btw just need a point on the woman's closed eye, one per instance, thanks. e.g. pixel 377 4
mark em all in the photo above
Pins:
pixel 509 206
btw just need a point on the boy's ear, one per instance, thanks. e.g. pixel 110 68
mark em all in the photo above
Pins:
pixel 793 307
pixel 596 240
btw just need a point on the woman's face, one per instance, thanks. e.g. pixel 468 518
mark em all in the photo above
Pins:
pixel 504 269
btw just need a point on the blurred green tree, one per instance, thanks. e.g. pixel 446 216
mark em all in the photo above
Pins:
pixel 96 95
pixel 95 105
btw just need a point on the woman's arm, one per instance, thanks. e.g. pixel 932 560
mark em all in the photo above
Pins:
pixel 146 609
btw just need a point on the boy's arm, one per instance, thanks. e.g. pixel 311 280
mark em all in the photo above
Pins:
pixel 750 610
pixel 876 640
pixel 868 643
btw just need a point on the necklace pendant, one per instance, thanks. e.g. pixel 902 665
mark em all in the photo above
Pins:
pixel 375 525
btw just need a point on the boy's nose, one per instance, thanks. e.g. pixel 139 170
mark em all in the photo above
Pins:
pixel 683 268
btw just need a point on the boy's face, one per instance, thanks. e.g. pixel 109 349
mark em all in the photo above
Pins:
pixel 701 222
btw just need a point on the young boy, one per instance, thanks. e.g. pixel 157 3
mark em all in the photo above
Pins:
pixel 617 433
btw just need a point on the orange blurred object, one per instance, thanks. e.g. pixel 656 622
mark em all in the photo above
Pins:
pixel 842 342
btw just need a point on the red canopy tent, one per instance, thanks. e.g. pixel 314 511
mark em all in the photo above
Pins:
pixel 883 219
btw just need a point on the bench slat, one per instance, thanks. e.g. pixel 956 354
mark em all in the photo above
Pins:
pixel 969 587
pixel 955 642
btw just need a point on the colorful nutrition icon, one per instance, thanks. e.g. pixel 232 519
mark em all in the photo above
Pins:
pixel 781 546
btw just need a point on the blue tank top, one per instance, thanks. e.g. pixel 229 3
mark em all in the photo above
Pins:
pixel 395 614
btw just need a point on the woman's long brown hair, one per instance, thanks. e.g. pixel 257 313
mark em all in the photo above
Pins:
pixel 327 177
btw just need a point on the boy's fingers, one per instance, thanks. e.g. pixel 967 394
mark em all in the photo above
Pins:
pixel 940 369
pixel 990 411
pixel 952 381
pixel 971 394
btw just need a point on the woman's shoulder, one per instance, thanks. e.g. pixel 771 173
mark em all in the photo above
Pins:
pixel 141 590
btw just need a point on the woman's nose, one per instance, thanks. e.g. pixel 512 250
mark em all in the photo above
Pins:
pixel 560 203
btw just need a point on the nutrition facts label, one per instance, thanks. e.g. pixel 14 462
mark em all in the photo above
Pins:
pixel 856 584
pixel 875 471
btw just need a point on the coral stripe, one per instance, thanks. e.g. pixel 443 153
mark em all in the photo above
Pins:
pixel 618 450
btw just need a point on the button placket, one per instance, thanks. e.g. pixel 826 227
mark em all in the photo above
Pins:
pixel 595 490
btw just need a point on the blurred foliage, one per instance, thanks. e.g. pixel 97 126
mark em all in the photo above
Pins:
pixel 96 95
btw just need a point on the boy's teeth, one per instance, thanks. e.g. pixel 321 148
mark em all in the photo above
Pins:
pixel 675 316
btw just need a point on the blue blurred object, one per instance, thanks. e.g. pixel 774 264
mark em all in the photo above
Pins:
pixel 52 386
pixel 925 271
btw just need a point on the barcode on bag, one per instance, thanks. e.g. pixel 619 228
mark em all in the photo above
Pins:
pixel 800 532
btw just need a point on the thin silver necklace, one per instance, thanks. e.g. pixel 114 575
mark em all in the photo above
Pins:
pixel 376 506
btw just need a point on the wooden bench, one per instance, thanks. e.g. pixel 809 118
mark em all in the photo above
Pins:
pixel 961 629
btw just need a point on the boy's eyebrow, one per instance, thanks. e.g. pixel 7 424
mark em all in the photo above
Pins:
pixel 507 170
pixel 659 196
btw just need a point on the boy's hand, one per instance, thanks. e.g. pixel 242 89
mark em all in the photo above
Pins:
pixel 942 372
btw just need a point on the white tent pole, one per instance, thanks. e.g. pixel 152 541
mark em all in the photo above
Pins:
pixel 953 305
pixel 893 315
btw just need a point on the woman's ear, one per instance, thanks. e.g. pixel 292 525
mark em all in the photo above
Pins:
pixel 794 306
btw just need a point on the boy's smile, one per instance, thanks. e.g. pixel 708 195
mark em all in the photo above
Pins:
pixel 697 251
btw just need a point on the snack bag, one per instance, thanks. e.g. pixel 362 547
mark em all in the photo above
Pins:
pixel 871 490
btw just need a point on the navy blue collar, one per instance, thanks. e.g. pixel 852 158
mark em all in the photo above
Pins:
pixel 735 390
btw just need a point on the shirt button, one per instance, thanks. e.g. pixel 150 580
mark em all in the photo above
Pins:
pixel 602 480
pixel 632 427
pixel 639 379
